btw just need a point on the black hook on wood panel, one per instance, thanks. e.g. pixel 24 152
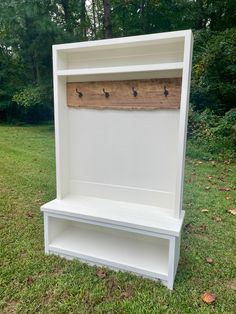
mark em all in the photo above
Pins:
pixel 105 93
pixel 135 93
pixel 80 94
pixel 166 92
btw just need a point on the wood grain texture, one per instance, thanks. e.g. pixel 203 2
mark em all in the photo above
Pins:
pixel 150 94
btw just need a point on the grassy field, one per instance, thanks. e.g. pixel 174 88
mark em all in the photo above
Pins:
pixel 31 282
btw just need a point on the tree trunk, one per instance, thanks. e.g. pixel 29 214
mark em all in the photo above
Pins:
pixel 65 6
pixel 200 20
pixel 94 20
pixel 107 18
pixel 35 68
pixel 83 19
pixel 143 17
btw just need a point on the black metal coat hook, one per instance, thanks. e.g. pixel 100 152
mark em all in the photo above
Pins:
pixel 166 92
pixel 80 94
pixel 105 93
pixel 135 93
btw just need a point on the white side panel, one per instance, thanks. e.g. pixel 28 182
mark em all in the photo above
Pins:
pixel 171 265
pixel 56 228
pixel 61 128
pixel 177 254
pixel 45 223
pixel 61 132
pixel 184 106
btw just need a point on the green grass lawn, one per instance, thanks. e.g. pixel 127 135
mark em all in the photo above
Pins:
pixel 31 282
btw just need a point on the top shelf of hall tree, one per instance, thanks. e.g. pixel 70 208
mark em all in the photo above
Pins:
pixel 147 53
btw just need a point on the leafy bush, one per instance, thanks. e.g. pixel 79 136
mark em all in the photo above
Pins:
pixel 27 97
pixel 214 134
pixel 35 102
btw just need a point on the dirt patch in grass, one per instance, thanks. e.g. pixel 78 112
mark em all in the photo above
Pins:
pixel 202 236
pixel 10 308
pixel 231 284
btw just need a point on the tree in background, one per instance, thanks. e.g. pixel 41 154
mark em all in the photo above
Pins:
pixel 107 18
pixel 27 34
pixel 214 71
pixel 28 29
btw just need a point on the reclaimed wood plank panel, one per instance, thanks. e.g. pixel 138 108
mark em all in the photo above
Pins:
pixel 130 95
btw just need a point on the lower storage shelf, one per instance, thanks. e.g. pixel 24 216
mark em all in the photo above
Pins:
pixel 142 254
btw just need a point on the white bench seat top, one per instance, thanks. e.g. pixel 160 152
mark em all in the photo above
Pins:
pixel 117 213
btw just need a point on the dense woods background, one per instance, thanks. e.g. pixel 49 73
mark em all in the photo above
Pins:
pixel 28 29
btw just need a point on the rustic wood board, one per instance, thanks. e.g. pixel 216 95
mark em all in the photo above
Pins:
pixel 150 94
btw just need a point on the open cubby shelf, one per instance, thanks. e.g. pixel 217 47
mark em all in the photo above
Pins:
pixel 120 171
pixel 98 244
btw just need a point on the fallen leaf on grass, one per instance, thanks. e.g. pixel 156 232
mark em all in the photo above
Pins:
pixel 207 188
pixel 232 211
pixel 208 298
pixel 209 260
pixel 217 219
pixel 227 162
pixel 204 210
pixel 29 280
pixel 228 197
pixel 100 273
pixel 209 177
pixel 203 227
pixel 30 215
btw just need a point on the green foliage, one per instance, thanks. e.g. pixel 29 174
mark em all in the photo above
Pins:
pixel 32 96
pixel 28 29
pixel 24 27
pixel 35 102
pixel 214 134
pixel 214 71
pixel 144 17
pixel 213 15
pixel 28 97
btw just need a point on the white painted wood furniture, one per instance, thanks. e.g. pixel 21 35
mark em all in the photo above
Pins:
pixel 120 172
